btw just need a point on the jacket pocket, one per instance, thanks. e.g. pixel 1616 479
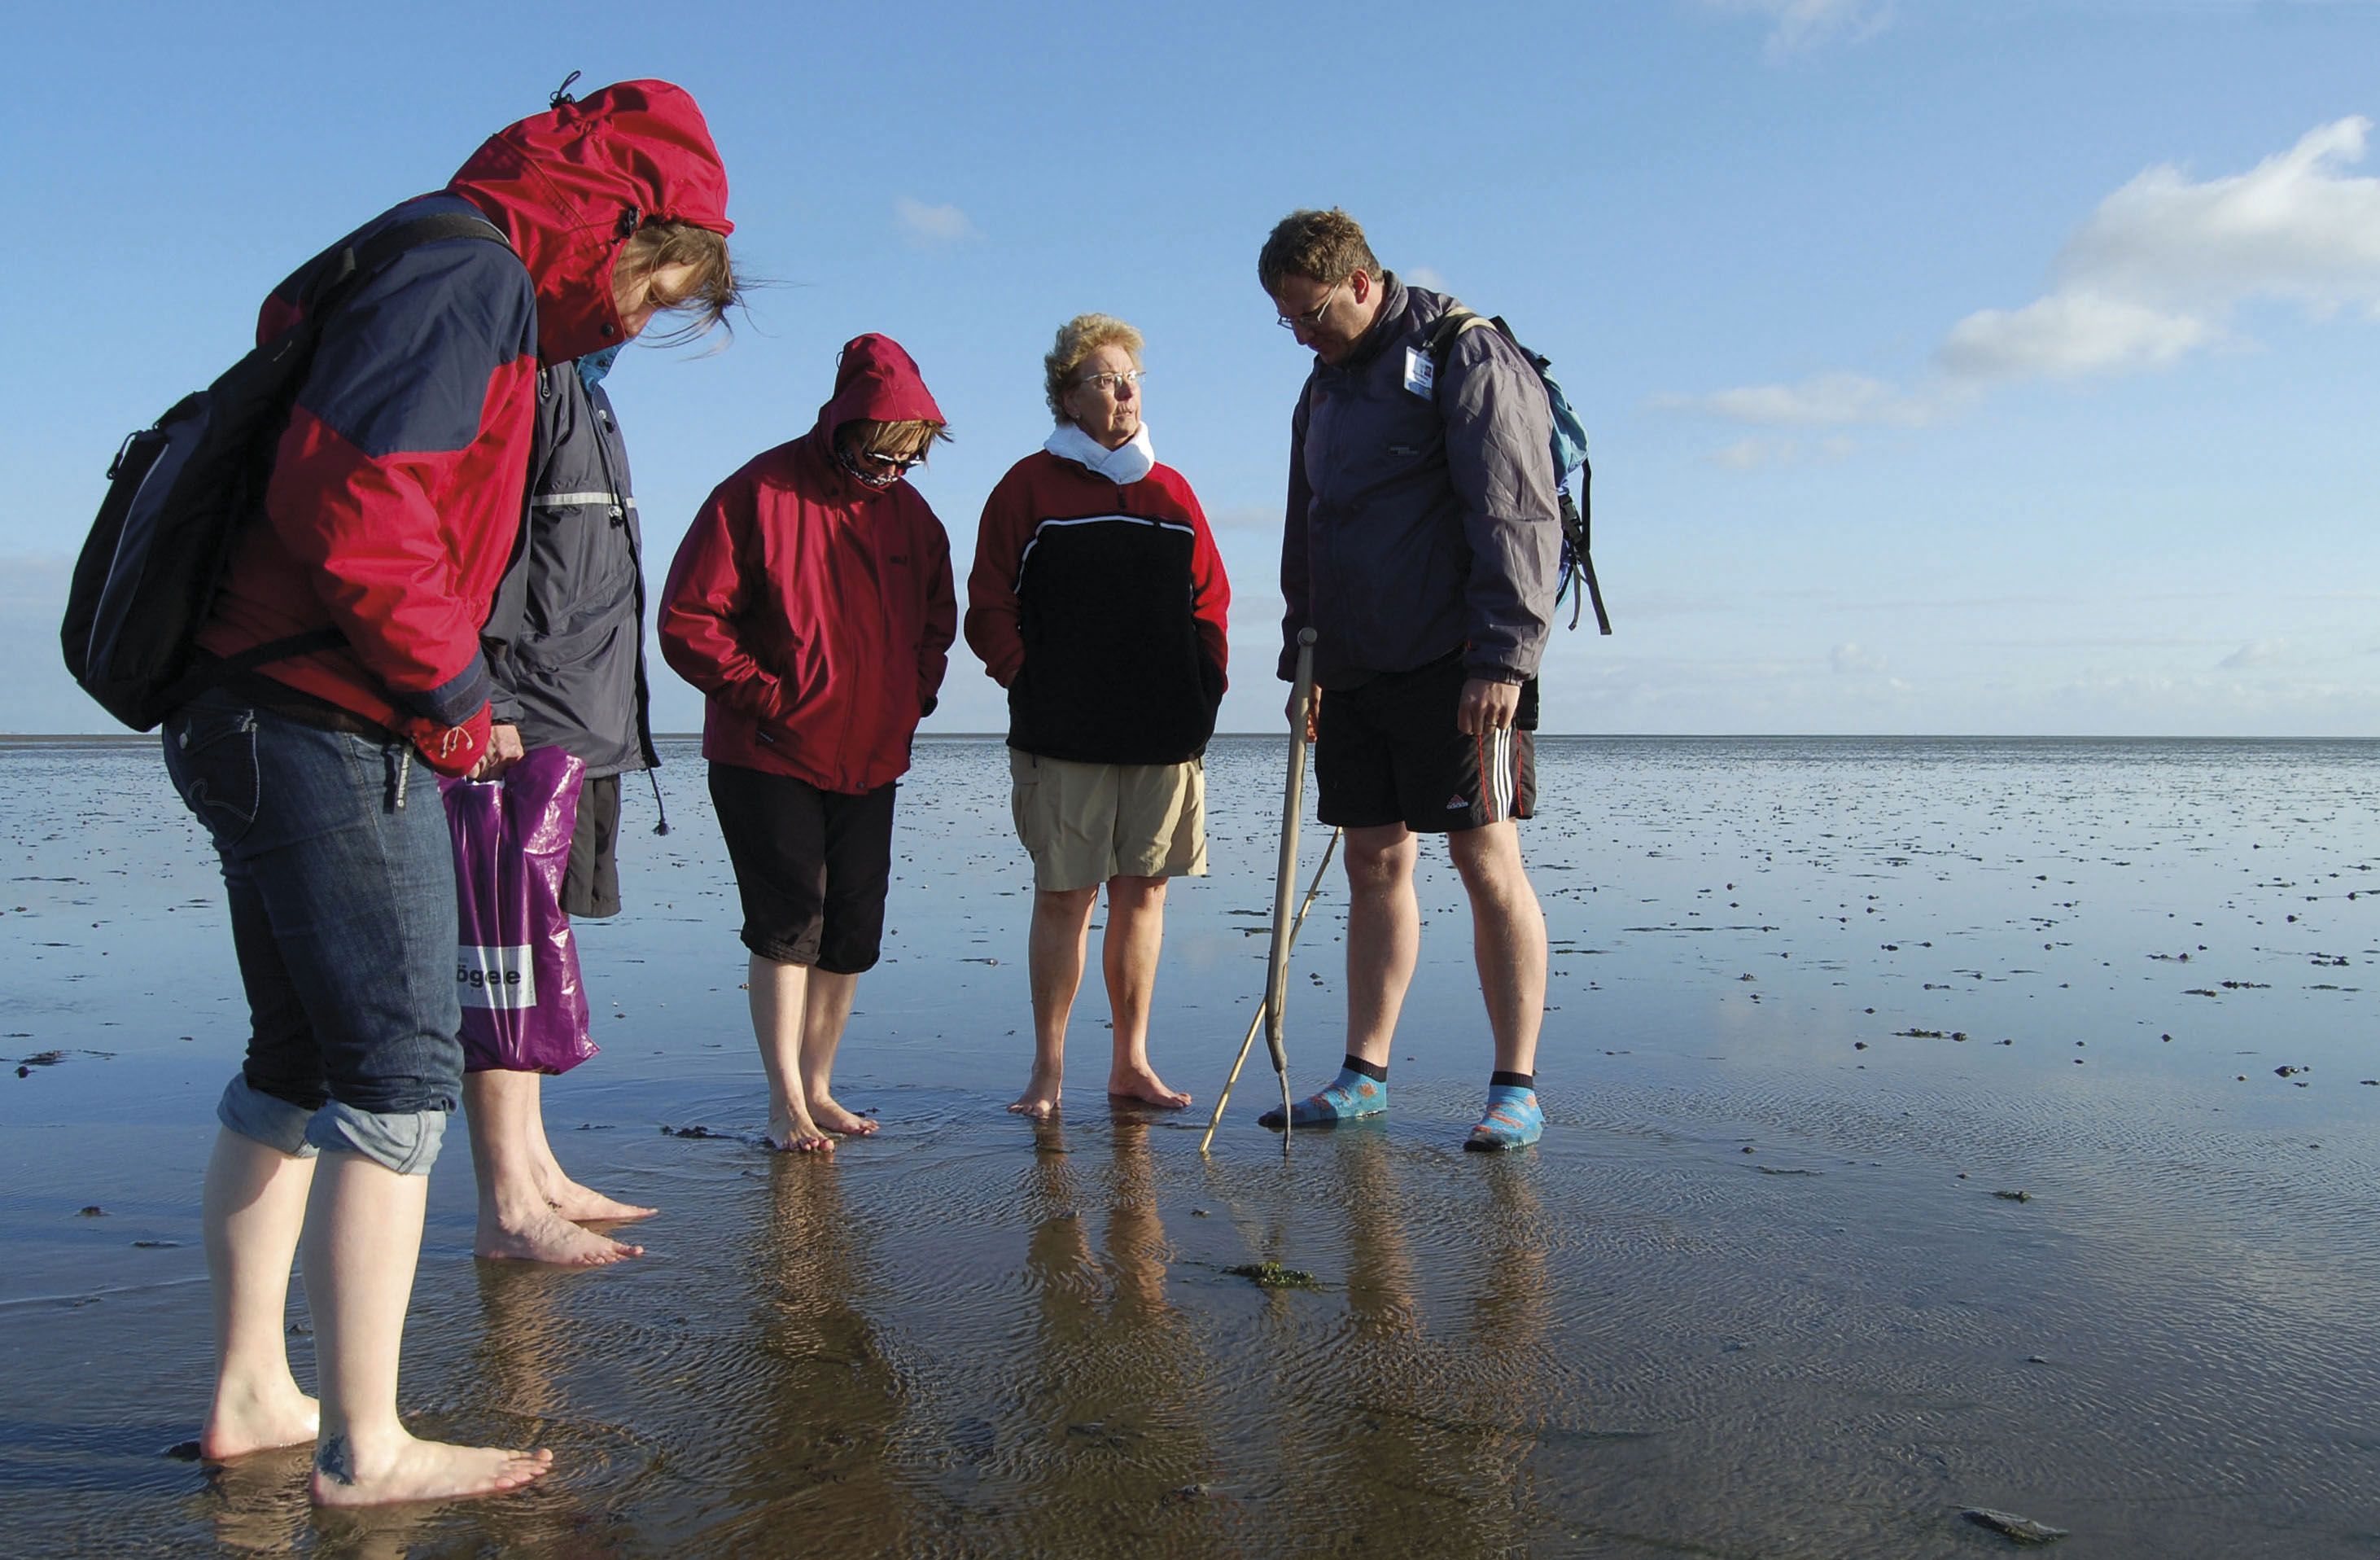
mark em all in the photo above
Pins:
pixel 577 645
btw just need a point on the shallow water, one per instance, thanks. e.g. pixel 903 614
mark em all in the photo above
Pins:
pixel 1753 1295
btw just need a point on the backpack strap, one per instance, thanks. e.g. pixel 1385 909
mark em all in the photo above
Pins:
pixel 358 263
pixel 1437 342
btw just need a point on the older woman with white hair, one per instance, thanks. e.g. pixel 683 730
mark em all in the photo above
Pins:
pixel 1099 601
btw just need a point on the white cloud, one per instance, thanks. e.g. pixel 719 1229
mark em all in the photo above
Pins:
pixel 2294 227
pixel 931 227
pixel 1751 454
pixel 2157 273
pixel 1850 660
pixel 1797 25
pixel 2261 652
pixel 2069 333
pixel 1424 277
pixel 1826 400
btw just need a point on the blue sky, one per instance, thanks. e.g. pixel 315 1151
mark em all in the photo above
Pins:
pixel 1993 367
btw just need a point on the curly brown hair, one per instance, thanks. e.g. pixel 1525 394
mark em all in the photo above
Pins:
pixel 1326 246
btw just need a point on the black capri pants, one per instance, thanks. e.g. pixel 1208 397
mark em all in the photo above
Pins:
pixel 812 867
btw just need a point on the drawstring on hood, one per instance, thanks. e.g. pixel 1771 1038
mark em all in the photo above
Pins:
pixel 661 827
pixel 570 184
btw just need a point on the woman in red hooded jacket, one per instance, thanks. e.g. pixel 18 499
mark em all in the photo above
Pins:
pixel 812 602
pixel 394 503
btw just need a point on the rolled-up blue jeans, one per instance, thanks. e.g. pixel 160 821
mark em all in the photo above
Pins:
pixel 341 878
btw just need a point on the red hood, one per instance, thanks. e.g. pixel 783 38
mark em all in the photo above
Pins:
pixel 876 379
pixel 569 185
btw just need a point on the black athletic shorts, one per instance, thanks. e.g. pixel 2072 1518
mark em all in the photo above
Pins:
pixel 1389 752
pixel 591 884
pixel 812 866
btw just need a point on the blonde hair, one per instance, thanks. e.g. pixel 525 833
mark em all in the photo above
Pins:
pixel 1077 339
pixel 904 440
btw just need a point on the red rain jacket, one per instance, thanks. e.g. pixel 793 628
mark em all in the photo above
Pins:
pixel 396 491
pixel 815 611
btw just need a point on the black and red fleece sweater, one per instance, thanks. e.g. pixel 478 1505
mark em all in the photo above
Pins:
pixel 1102 607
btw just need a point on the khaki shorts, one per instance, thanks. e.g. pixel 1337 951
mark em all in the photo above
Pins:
pixel 1087 822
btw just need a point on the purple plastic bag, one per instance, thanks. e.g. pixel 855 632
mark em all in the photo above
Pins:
pixel 517 965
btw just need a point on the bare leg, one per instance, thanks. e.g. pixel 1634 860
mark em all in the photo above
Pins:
pixel 1128 958
pixel 780 996
pixel 570 1200
pixel 1383 935
pixel 824 1012
pixel 1508 938
pixel 252 1208
pixel 1056 949
pixel 517 1221
pixel 363 1234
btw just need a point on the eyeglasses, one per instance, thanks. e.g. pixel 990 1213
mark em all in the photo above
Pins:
pixel 1312 317
pixel 896 464
pixel 1114 383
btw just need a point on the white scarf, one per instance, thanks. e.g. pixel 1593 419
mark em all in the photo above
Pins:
pixel 1124 465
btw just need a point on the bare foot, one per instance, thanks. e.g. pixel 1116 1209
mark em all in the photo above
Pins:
pixel 1142 1083
pixel 244 1418
pixel 797 1134
pixel 834 1119
pixel 1039 1100
pixel 409 1470
pixel 550 1238
pixel 586 1205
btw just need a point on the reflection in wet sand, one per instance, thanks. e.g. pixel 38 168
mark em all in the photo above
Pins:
pixel 1113 1430
pixel 258 1505
pixel 810 1414
pixel 1415 1409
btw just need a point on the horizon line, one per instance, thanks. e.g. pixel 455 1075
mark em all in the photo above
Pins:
pixel 128 738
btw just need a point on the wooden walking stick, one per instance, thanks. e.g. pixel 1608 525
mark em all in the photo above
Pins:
pixel 1284 884
pixel 1248 1043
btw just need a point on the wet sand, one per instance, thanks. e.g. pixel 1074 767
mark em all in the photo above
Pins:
pixel 1816 1006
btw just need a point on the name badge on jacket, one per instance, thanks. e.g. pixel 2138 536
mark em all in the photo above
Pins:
pixel 1421 374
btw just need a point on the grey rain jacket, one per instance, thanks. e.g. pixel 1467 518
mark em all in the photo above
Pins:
pixel 1420 525
pixel 566 640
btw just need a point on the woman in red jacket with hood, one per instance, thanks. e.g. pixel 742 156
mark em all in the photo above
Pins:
pixel 355 606
pixel 811 599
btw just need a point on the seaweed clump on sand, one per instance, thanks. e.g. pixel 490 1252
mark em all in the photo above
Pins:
pixel 2023 1530
pixel 1272 1275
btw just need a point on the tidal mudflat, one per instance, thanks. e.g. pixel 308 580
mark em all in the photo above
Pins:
pixel 1932 1126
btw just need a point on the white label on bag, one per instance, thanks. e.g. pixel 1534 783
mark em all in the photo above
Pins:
pixel 496 978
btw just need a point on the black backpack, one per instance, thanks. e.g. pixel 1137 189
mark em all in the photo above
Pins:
pixel 1568 451
pixel 179 493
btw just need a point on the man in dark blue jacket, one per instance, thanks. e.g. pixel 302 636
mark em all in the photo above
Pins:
pixel 1423 545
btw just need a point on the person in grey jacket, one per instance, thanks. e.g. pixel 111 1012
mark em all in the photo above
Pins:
pixel 564 645
pixel 1423 545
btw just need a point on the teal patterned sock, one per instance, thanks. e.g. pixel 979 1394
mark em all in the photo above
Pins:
pixel 1514 1119
pixel 1351 1095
